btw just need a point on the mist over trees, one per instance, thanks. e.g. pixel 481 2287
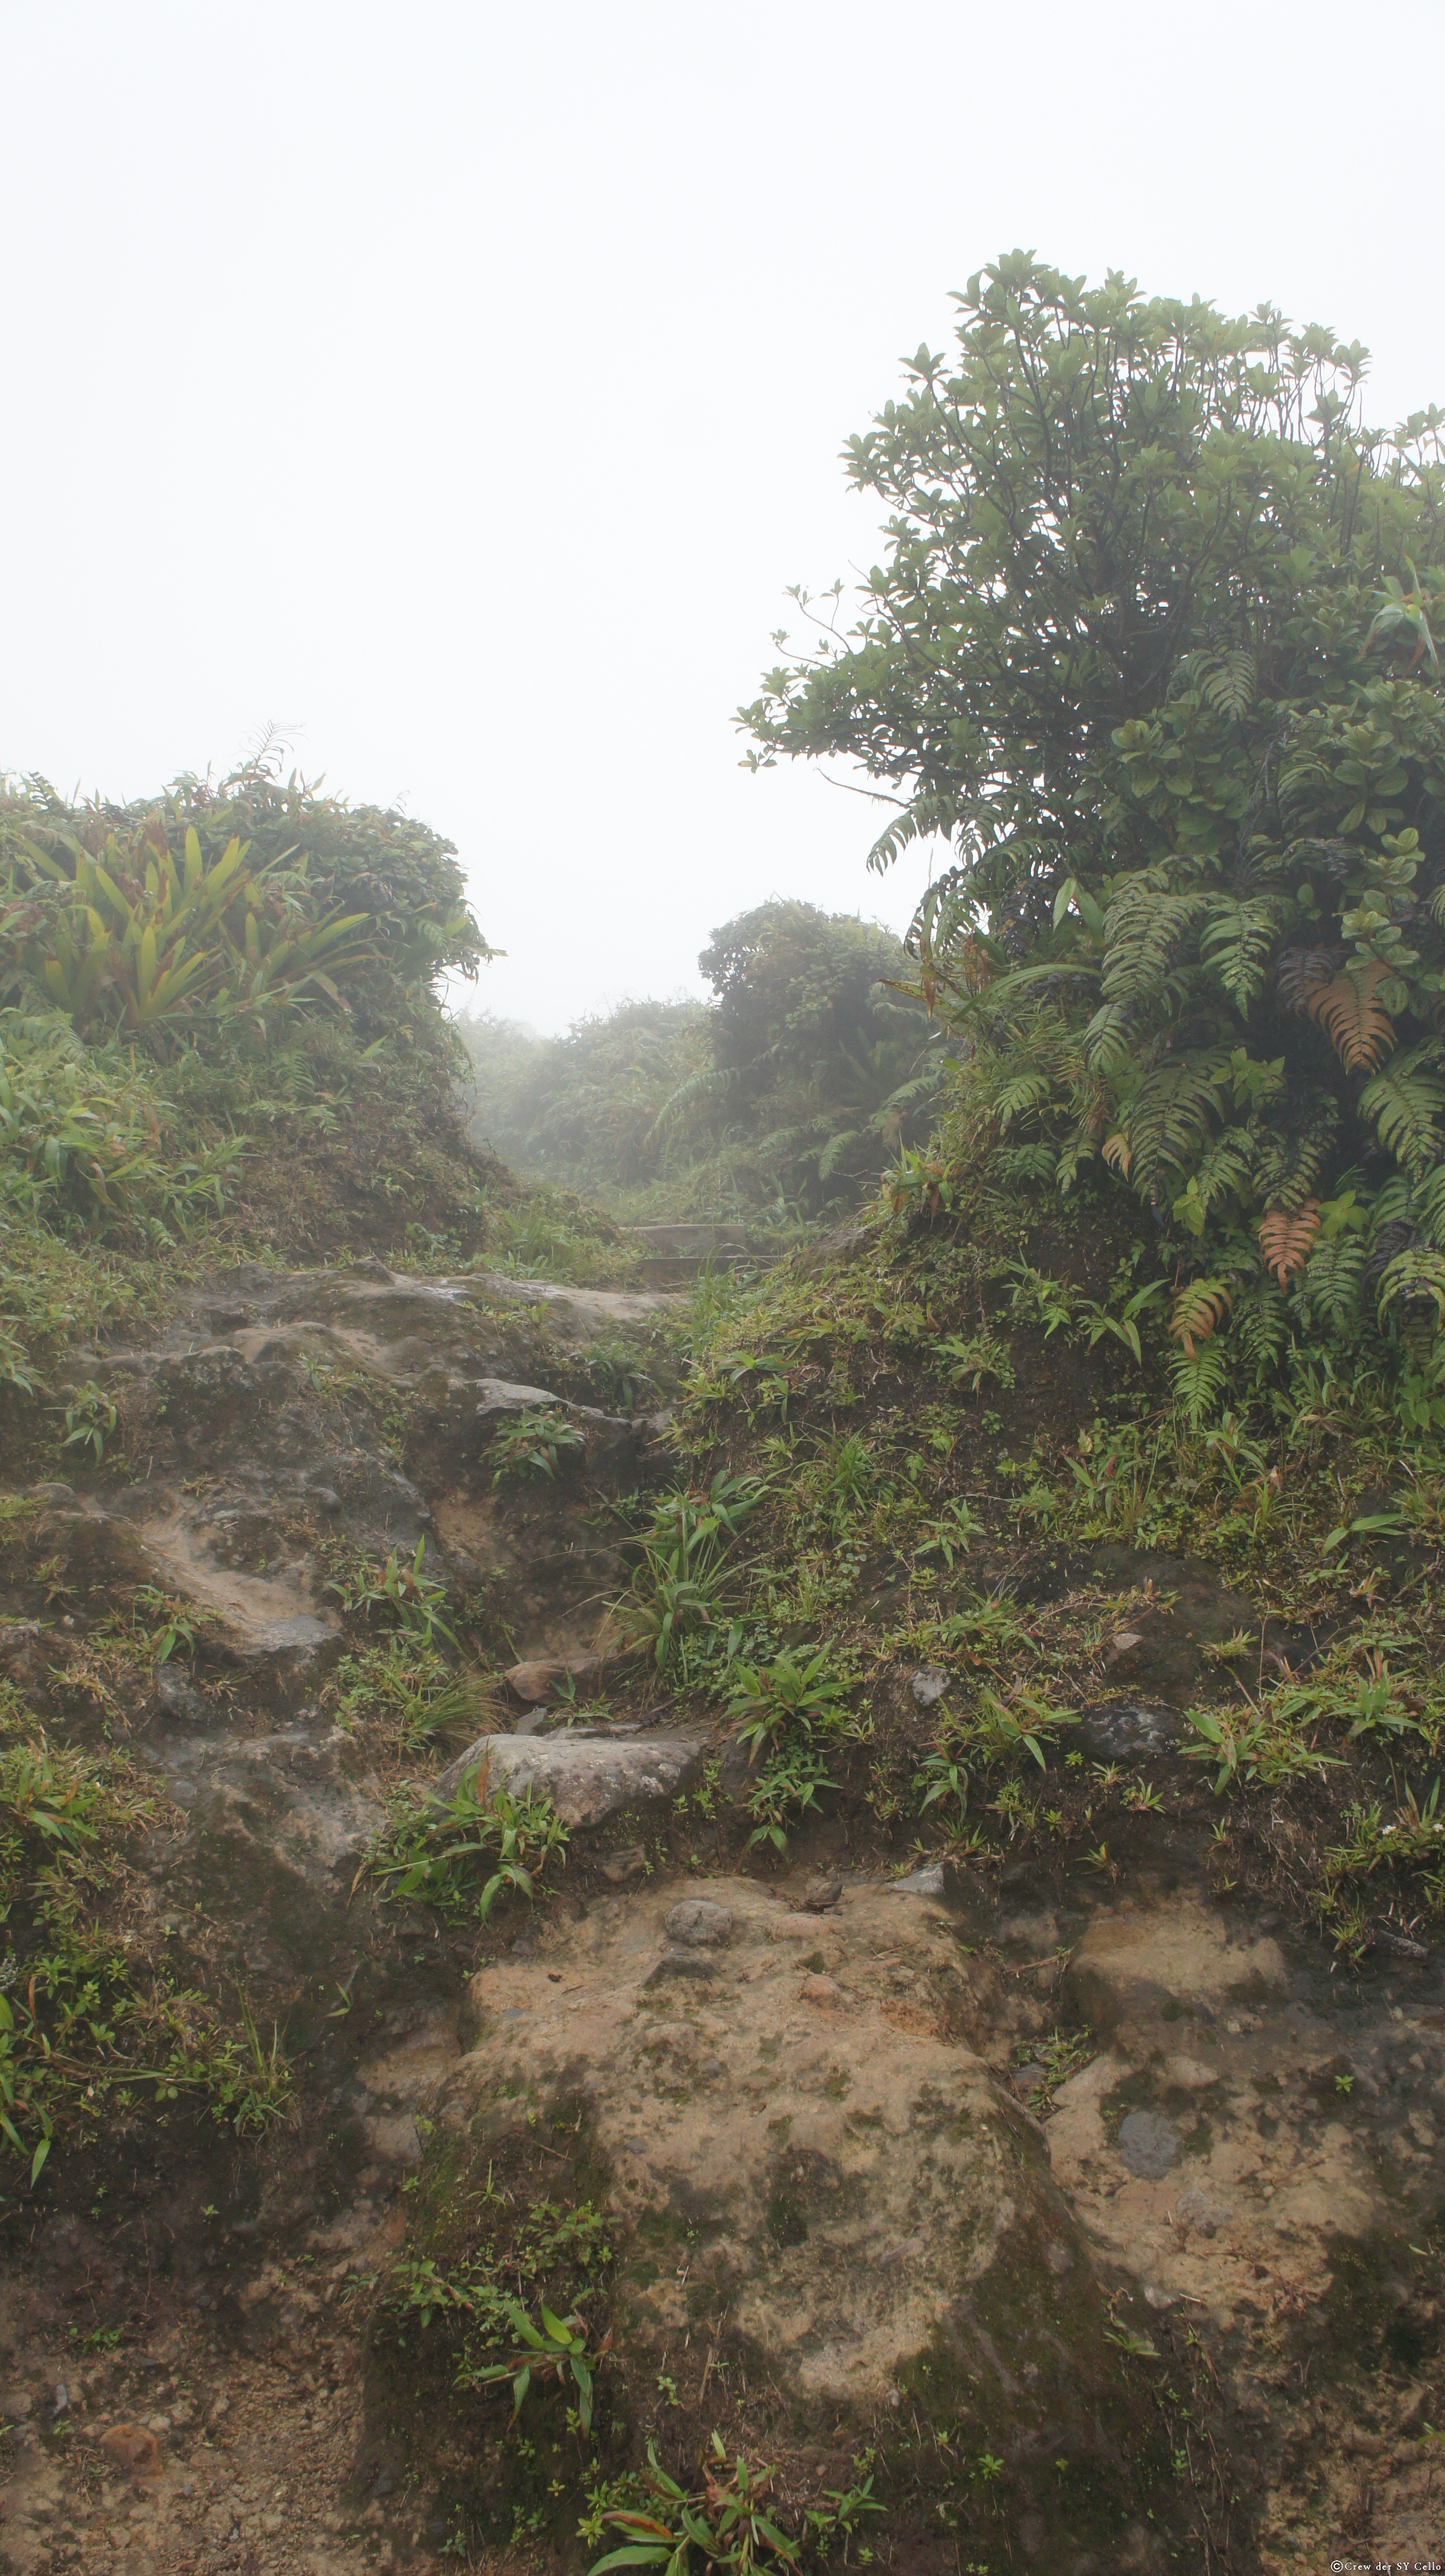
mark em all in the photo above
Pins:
pixel 787 1093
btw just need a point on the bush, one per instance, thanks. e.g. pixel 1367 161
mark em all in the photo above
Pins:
pixel 1154 644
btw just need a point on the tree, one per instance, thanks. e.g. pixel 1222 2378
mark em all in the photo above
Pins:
pixel 1153 646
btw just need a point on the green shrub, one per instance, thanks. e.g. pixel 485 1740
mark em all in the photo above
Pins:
pixel 1154 644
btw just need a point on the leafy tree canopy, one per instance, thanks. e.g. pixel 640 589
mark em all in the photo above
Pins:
pixel 1153 646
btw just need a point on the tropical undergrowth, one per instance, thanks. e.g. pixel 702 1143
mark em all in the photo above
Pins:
pixel 967 1458
pixel 101 2028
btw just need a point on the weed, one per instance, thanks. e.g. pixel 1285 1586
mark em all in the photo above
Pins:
pixel 534 1443
pixel 722 2519
pixel 399 1585
pixel 90 1419
pixel 436 1849
pixel 787 1788
pixel 404 1685
pixel 789 1693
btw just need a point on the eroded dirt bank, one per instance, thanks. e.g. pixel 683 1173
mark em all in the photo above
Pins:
pixel 1075 2192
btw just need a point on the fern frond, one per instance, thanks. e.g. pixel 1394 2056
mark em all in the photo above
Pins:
pixel 1109 1037
pixel 1225 681
pixel 1291 1160
pixel 1347 1010
pixel 1117 1154
pixel 1404 1101
pixel 1021 1091
pixel 1285 1240
pixel 1414 1274
pixel 1334 1275
pixel 1198 1381
pixel 1142 929
pixel 1200 1307
pixel 1169 1118
pixel 1237 941
pixel 1261 1326
pixel 1302 971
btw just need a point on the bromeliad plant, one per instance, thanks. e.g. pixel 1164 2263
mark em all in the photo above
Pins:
pixel 134 940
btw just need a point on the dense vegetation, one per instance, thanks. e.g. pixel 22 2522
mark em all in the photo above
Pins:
pixel 1153 646
pixel 783 1097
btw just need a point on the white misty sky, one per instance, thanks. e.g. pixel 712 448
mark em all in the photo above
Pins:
pixel 463 384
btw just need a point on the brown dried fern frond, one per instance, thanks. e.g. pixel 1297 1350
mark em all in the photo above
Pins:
pixel 1350 1014
pixel 1118 1153
pixel 1287 1241
pixel 1200 1307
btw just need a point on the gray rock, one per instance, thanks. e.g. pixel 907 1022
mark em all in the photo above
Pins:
pixel 588 1778
pixel 53 1491
pixel 620 1868
pixel 929 1684
pixel 1196 2209
pixel 1148 2143
pixel 682 1963
pixel 928 1881
pixel 1129 1731
pixel 178 1700
pixel 500 1397
pixel 698 1924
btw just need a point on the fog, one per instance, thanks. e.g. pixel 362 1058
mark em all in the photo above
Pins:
pixel 462 386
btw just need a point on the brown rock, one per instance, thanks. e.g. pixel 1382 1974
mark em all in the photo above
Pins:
pixel 132 2448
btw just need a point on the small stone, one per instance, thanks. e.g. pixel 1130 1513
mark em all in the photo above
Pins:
pixel 132 2447
pixel 698 1924
pixel 53 1492
pixel 681 1963
pixel 929 1685
pixel 927 1881
pixel 326 1498
pixel 1126 1732
pixel 819 1990
pixel 1148 2143
pixel 620 1868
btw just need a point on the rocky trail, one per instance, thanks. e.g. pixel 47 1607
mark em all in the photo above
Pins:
pixel 881 2154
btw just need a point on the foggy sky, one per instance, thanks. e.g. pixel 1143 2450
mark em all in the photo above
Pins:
pixel 462 385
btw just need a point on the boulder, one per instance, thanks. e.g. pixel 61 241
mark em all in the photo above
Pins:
pixel 808 2166
pixel 589 1777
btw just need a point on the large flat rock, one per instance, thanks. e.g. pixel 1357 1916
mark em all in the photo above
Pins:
pixel 589 1777
pixel 808 2165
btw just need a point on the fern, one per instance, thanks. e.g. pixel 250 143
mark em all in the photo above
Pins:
pixel 1261 1327
pixel 1404 1101
pixel 1334 1275
pixel 1226 681
pixel 1143 927
pixel 1021 1091
pixel 1352 1017
pixel 1224 1171
pixel 1415 1274
pixel 1302 971
pixel 1198 1381
pixel 1236 945
pixel 1291 1162
pixel 1200 1307
pixel 1285 1240
pixel 1170 1116
pixel 1110 1036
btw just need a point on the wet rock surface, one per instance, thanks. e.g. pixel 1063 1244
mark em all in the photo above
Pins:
pixel 933 2145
